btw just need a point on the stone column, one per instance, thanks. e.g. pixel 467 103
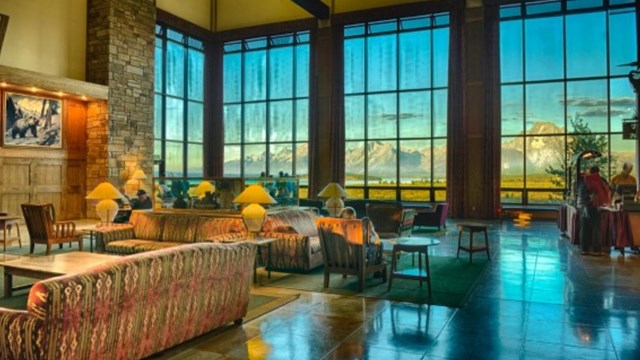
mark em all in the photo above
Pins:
pixel 120 55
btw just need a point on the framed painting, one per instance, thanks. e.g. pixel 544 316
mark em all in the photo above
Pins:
pixel 32 121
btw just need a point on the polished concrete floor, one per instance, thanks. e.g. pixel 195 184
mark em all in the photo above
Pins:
pixel 538 299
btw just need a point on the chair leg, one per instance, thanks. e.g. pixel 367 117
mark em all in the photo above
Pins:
pixel 60 246
pixel 470 247
pixel 326 279
pixel 32 247
pixel 420 268
pixel 19 237
pixel 49 248
pixel 361 283
pixel 344 276
pixel 486 244
pixel 79 244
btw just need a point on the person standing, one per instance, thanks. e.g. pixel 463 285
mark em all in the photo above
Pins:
pixel 594 193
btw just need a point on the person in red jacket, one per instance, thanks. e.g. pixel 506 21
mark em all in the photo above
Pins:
pixel 597 191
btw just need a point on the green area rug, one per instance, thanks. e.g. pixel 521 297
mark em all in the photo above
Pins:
pixel 452 281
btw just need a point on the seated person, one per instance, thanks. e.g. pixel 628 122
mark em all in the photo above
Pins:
pixel 623 185
pixel 143 201
pixel 624 177
pixel 373 252
pixel 350 213
pixel 180 203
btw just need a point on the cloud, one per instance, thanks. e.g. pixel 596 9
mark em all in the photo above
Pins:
pixel 392 117
pixel 624 101
pixel 585 102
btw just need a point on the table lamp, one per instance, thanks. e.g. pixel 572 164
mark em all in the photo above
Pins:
pixel 254 214
pixel 106 208
pixel 335 193
pixel 203 188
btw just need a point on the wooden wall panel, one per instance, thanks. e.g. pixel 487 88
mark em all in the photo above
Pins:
pixel 74 204
pixel 76 129
pixel 15 184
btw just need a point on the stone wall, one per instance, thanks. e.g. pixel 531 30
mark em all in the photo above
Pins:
pixel 120 55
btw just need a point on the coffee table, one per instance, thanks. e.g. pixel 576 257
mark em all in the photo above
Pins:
pixel 44 267
pixel 413 245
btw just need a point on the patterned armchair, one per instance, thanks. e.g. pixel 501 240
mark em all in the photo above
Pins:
pixel 346 249
pixel 44 229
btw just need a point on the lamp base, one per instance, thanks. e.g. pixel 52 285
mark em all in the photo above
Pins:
pixel 107 210
pixel 334 206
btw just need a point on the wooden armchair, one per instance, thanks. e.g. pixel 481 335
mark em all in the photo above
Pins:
pixel 43 228
pixel 346 249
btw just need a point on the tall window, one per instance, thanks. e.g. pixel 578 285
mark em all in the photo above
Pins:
pixel 179 96
pixel 561 86
pixel 395 86
pixel 266 106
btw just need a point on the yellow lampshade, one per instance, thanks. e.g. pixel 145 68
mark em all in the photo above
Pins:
pixel 106 207
pixel 335 193
pixel 333 190
pixel 139 175
pixel 104 191
pixel 254 194
pixel 203 188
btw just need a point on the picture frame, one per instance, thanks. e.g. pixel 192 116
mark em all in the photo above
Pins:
pixel 31 121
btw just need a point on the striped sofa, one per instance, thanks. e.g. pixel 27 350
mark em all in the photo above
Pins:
pixel 153 231
pixel 132 307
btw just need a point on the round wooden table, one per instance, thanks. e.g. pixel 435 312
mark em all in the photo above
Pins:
pixel 419 245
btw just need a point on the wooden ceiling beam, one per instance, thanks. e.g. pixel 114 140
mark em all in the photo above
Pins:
pixel 315 7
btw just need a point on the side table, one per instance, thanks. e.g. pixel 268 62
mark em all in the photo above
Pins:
pixel 420 246
pixel 261 243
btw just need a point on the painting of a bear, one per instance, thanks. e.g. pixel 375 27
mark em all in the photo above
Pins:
pixel 32 121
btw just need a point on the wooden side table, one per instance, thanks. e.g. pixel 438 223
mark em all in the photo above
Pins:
pixel 9 222
pixel 261 243
pixel 420 246
pixel 472 228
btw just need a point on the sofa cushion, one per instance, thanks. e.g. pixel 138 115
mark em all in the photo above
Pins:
pixel 208 227
pixel 180 228
pixel 304 222
pixel 133 246
pixel 147 226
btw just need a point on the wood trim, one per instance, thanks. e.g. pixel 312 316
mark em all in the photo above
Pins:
pixel 395 11
pixel 266 30
pixel 4 22
pixel 183 25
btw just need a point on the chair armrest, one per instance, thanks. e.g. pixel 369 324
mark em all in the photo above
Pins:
pixel 62 229
pixel 228 237
pixel 105 235
pixel 21 325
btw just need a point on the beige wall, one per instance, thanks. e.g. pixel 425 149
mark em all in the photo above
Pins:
pixel 46 36
pixel 341 6
pixel 233 14
pixel 195 11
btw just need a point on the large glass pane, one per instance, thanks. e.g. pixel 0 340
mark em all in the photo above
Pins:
pixel 440 113
pixel 415 195
pixel 512 109
pixel 255 160
pixel 587 100
pixel 511 197
pixel 439 162
pixel 302 162
pixel 415 162
pixel 175 69
pixel 159 77
pixel 623 102
pixel 586 45
pixel 544 48
pixel 381 63
pixel 415 114
pixel 232 158
pixel 175 119
pixel 354 163
pixel 544 152
pixel 157 117
pixel 195 88
pixel 440 57
pixel 194 129
pixel 415 60
pixel 255 122
pixel 511 57
pixel 255 75
pixel 382 194
pixel 545 108
pixel 232 77
pixel 512 171
pixel 281 121
pixel 622 151
pixel 281 159
pixel 382 116
pixel 545 197
pixel 232 123
pixel 622 41
pixel 302 70
pixel 157 149
pixel 354 117
pixel 354 66
pixel 381 163
pixel 281 73
pixel 174 160
pixel 194 160
pixel 302 120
